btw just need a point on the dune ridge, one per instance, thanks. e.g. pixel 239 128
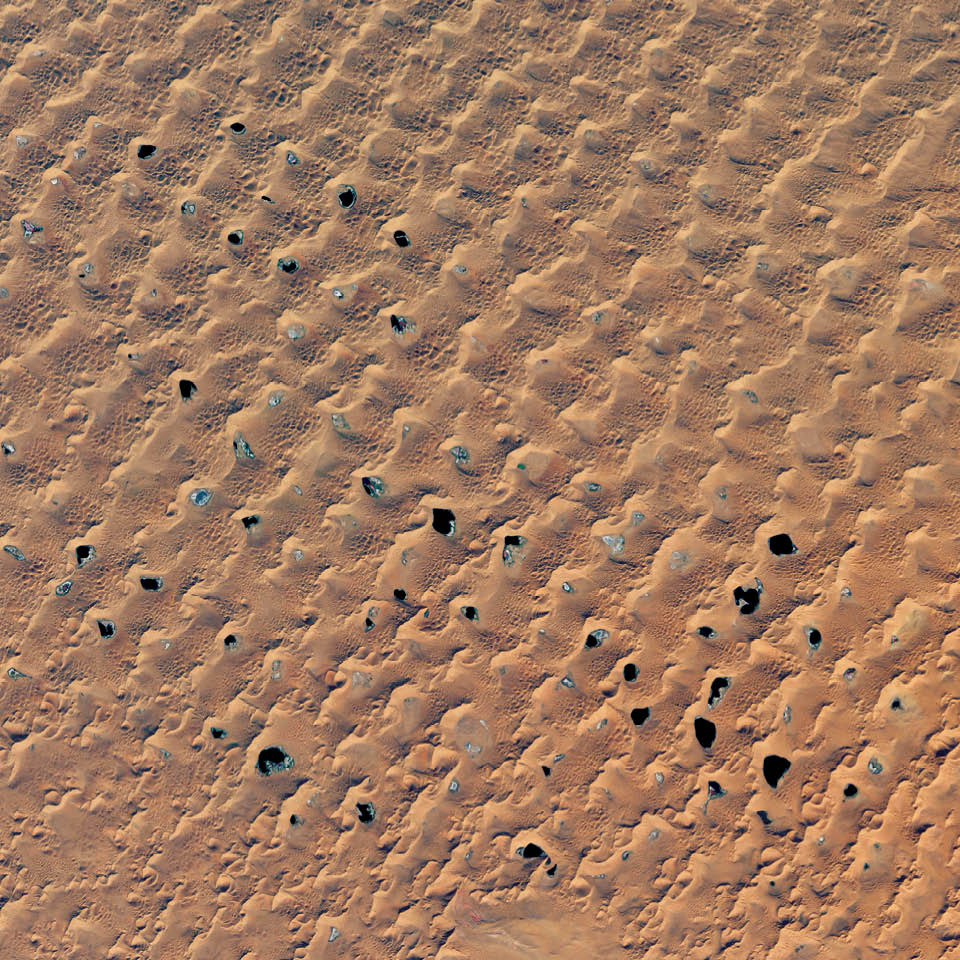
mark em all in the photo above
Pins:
pixel 402 407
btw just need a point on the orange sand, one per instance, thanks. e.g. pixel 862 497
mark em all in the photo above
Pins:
pixel 682 275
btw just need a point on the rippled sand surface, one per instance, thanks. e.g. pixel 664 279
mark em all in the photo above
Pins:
pixel 479 481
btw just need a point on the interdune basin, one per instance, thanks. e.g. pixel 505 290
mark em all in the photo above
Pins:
pixel 479 480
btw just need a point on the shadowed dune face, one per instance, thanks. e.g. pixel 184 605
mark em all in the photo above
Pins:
pixel 497 442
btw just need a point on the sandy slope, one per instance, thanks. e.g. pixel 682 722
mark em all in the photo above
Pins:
pixel 470 538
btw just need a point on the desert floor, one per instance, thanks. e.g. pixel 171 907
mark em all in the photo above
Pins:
pixel 479 480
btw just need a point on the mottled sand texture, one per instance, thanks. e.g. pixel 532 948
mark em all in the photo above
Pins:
pixel 480 480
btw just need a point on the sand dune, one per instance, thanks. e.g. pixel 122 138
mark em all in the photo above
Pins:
pixel 479 480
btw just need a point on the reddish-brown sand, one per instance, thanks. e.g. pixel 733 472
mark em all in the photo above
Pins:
pixel 468 640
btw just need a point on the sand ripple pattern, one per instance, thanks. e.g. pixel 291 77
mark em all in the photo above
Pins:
pixel 456 526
